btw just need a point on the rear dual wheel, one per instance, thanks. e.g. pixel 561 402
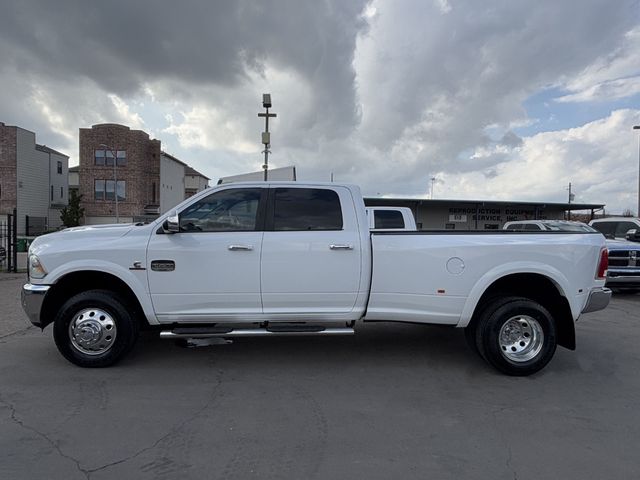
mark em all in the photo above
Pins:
pixel 516 335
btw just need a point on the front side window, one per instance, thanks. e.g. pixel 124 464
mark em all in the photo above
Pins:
pixel 532 227
pixel 224 211
pixel 388 219
pixel 624 227
pixel 306 209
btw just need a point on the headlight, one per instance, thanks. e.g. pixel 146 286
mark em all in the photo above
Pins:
pixel 36 269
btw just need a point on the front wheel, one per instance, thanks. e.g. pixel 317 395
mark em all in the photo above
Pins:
pixel 95 329
pixel 516 335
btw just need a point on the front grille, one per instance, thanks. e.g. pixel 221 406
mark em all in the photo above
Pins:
pixel 624 258
pixel 623 274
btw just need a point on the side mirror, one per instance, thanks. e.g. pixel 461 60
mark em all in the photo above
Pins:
pixel 633 235
pixel 171 224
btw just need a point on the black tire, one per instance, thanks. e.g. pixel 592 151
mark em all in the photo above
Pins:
pixel 120 327
pixel 529 337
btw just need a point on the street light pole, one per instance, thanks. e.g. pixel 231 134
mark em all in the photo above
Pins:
pixel 637 127
pixel 266 136
pixel 114 154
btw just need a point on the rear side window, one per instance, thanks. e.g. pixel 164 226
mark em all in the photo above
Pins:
pixel 306 209
pixel 623 227
pixel 532 226
pixel 388 219
pixel 606 228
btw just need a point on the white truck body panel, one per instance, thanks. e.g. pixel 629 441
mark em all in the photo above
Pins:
pixel 439 278
pixel 435 277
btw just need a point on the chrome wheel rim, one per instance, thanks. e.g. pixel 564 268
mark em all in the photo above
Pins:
pixel 92 331
pixel 521 338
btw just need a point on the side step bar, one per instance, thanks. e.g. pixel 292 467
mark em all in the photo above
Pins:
pixel 252 332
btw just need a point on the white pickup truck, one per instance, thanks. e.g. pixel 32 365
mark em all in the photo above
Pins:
pixel 298 259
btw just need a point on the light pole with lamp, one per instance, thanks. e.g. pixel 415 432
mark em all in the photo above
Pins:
pixel 114 155
pixel 266 136
pixel 637 127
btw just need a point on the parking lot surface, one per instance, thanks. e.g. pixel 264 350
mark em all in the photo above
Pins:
pixel 393 401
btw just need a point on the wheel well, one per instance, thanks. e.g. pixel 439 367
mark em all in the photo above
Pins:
pixel 77 282
pixel 540 289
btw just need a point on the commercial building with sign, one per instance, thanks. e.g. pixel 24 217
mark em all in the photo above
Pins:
pixel 443 214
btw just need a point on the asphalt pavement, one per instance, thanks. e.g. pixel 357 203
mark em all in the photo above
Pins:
pixel 392 401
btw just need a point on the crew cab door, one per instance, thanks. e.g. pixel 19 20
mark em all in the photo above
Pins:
pixel 311 252
pixel 210 269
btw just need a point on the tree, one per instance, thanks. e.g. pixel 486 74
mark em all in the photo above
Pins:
pixel 73 213
pixel 627 213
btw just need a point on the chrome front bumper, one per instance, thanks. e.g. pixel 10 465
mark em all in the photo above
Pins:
pixel 598 299
pixel 32 298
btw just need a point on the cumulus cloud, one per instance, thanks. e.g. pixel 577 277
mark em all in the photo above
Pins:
pixel 384 93
pixel 612 76
pixel 599 158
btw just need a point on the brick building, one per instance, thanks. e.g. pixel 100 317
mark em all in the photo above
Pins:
pixel 33 180
pixel 147 180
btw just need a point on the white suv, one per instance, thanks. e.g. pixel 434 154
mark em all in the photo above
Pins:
pixel 615 227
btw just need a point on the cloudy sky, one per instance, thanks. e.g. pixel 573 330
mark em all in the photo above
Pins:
pixel 499 99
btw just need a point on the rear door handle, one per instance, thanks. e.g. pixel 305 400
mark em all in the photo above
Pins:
pixel 341 247
pixel 240 247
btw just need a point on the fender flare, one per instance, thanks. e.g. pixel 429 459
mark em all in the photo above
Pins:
pixel 559 280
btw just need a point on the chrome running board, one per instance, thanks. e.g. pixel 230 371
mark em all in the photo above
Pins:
pixel 196 332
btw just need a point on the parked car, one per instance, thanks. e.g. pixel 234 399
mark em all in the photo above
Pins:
pixel 624 265
pixel 294 258
pixel 548 226
pixel 616 227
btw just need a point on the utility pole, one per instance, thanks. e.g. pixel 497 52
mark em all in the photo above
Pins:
pixel 266 136
pixel 571 197
pixel 637 127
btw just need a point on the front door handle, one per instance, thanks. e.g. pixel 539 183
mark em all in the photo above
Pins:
pixel 240 247
pixel 341 247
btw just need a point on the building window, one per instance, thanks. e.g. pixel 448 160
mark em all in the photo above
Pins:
pixel 99 189
pixel 61 192
pixel 153 192
pixel 52 193
pixel 449 226
pixel 105 158
pixel 60 168
pixel 104 190
pixel 99 156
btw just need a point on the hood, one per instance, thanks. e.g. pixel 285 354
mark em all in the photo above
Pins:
pixel 622 245
pixel 86 232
